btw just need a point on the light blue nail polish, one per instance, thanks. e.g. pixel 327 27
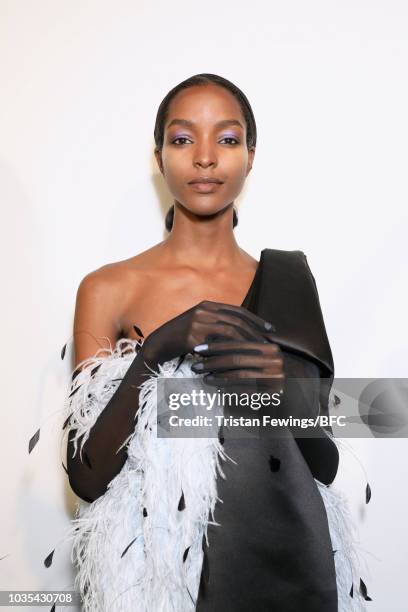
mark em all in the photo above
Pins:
pixel 198 366
pixel 269 326
pixel 201 347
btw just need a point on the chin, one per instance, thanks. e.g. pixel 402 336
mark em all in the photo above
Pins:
pixel 206 209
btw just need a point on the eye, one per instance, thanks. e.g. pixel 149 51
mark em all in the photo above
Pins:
pixel 231 138
pixel 180 138
pixel 176 141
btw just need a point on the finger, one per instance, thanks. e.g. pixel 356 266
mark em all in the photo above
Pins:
pixel 221 347
pixel 221 330
pixel 244 378
pixel 240 313
pixel 236 361
pixel 231 381
pixel 219 317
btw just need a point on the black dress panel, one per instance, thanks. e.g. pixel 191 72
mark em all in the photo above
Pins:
pixel 272 550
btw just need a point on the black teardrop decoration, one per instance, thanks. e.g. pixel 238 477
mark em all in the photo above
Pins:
pixel 202 589
pixel 33 441
pixel 337 400
pixel 144 512
pixel 180 361
pixel 363 590
pixel 351 591
pixel 75 374
pixel 191 597
pixel 74 391
pixel 53 608
pixel 182 503
pixel 95 369
pixel 185 553
pixel 63 350
pixel 138 331
pixel 221 439
pixel 67 421
pixel 368 493
pixel 48 559
pixel 274 463
pixel 128 546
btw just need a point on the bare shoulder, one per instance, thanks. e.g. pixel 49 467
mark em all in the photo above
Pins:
pixel 118 278
pixel 103 296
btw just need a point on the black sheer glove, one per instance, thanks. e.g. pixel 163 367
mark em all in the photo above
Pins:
pixel 102 458
pixel 103 454
pixel 207 321
pixel 264 366
pixel 238 362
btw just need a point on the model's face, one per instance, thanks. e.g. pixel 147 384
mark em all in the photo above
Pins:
pixel 197 144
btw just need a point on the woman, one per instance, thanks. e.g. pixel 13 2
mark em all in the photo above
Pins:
pixel 204 308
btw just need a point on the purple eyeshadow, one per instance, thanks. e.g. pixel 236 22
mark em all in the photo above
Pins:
pixel 181 135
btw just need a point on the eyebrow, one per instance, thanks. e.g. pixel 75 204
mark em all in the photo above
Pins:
pixel 191 124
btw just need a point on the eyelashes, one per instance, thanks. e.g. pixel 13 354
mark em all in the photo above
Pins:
pixel 174 141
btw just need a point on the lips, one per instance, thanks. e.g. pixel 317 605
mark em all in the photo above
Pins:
pixel 205 186
pixel 202 180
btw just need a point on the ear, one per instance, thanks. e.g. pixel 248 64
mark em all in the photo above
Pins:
pixel 157 154
pixel 251 156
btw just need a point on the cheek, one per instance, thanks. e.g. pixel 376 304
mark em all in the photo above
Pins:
pixel 175 165
pixel 237 169
pixel 236 161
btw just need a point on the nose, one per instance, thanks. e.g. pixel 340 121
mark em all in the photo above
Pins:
pixel 204 154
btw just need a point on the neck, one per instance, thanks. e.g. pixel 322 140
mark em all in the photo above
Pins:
pixel 205 238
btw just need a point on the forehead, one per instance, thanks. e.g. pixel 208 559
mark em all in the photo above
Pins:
pixel 203 104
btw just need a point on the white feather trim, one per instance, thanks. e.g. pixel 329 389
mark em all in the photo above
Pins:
pixel 126 560
pixel 343 534
pixel 152 575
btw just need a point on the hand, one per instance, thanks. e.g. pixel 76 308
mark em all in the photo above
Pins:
pixel 203 323
pixel 240 362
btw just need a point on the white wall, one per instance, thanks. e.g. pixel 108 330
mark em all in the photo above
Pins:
pixel 80 85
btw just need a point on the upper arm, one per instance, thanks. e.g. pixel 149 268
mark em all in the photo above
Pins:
pixel 96 320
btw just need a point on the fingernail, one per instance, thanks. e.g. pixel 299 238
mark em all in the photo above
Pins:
pixel 198 366
pixel 269 326
pixel 200 347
